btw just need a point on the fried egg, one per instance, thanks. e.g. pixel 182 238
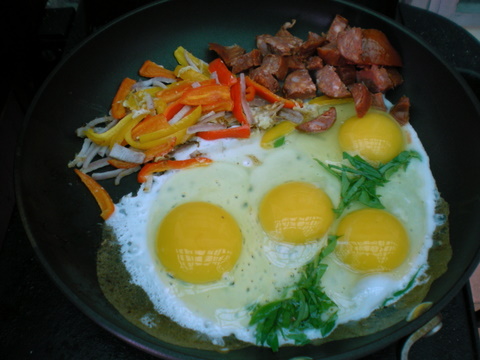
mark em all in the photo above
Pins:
pixel 207 244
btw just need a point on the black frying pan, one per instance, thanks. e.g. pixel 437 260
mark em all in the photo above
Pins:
pixel 62 220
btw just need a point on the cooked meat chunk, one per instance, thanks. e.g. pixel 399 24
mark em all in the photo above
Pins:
pixel 329 83
pixel 299 85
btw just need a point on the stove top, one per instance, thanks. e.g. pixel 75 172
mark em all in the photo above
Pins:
pixel 37 321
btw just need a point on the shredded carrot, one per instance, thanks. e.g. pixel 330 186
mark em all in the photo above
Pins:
pixel 102 197
pixel 150 69
pixel 118 110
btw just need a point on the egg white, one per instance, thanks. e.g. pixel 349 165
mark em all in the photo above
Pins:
pixel 242 172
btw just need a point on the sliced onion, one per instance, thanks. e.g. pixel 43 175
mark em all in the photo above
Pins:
pixel 95 165
pixel 107 174
pixel 205 127
pixel 123 153
pixel 126 172
pixel 291 115
pixel 179 115
pixel 245 107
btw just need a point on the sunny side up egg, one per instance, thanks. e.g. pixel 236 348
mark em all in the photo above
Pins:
pixel 207 244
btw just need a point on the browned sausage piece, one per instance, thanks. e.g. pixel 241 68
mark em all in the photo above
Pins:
pixel 246 61
pixel 338 24
pixel 276 65
pixel 376 78
pixel 349 43
pixel 378 50
pixel 227 53
pixel 299 85
pixel 321 123
pixel 401 110
pixel 362 98
pixel 329 83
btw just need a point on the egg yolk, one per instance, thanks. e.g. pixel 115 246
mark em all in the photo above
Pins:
pixel 371 240
pixel 296 213
pixel 198 242
pixel 377 137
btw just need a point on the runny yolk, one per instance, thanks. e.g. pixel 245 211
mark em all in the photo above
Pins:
pixel 296 212
pixel 198 242
pixel 371 240
pixel 377 137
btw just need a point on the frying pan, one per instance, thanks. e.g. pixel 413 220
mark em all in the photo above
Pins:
pixel 62 220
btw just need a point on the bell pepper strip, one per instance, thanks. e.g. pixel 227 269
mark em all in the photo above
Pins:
pixel 249 93
pixel 174 91
pixel 183 123
pixel 224 75
pixel 115 134
pixel 270 96
pixel 118 110
pixel 242 132
pixel 206 95
pixel 276 132
pixel 101 196
pixel 165 165
pixel 150 69
pixel 160 150
pixel 120 164
pixel 217 107
pixel 236 93
pixel 172 109
pixel 189 73
pixel 150 124
pixel 181 55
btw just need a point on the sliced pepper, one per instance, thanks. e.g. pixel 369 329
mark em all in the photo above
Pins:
pixel 189 73
pixel 150 124
pixel 268 95
pixel 236 93
pixel 276 132
pixel 174 91
pixel 101 196
pixel 181 55
pixel 206 95
pixel 242 132
pixel 150 69
pixel 118 110
pixel 160 150
pixel 224 75
pixel 120 164
pixel 117 133
pixel 164 165
pixel 183 123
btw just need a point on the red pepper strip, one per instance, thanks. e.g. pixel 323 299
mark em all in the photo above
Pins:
pixel 236 92
pixel 99 193
pixel 150 124
pixel 266 94
pixel 249 93
pixel 172 108
pixel 231 132
pixel 118 110
pixel 164 165
pixel 206 95
pixel 224 76
pixel 120 164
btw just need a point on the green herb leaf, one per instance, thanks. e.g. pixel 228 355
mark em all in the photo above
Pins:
pixel 308 307
pixel 359 182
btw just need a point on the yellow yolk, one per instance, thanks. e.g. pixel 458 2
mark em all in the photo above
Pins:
pixel 296 212
pixel 376 137
pixel 371 240
pixel 198 242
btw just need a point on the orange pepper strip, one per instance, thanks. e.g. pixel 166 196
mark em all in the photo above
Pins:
pixel 217 107
pixel 160 150
pixel 150 124
pixel 174 91
pixel 266 94
pixel 172 108
pixel 206 95
pixel 249 93
pixel 120 164
pixel 99 193
pixel 164 165
pixel 150 69
pixel 118 110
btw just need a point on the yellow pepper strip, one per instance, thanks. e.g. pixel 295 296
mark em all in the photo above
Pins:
pixel 184 123
pixel 180 137
pixel 327 100
pixel 276 132
pixel 179 54
pixel 189 73
pixel 117 133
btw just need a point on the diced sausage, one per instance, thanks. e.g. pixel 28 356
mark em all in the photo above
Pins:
pixel 309 47
pixel 265 78
pixel 299 85
pixel 347 73
pixel 378 102
pixel 295 62
pixel 349 43
pixel 329 83
pixel 314 63
pixel 246 61
pixel 401 110
pixel 276 65
pixel 378 50
pixel 375 78
pixel 321 123
pixel 280 45
pixel 338 24
pixel 331 55
pixel 362 99
pixel 227 53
